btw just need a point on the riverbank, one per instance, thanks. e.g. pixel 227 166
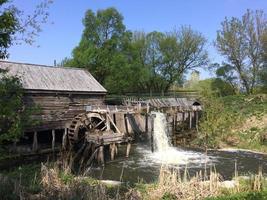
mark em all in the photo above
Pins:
pixel 48 181
pixel 236 122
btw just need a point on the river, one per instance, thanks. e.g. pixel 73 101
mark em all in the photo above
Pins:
pixel 144 166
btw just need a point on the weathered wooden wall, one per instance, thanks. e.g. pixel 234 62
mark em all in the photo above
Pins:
pixel 55 110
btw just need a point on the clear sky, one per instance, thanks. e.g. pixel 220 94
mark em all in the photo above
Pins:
pixel 63 32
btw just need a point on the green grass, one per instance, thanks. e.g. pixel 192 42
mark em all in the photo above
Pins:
pixel 246 106
pixel 27 175
pixel 228 128
pixel 242 196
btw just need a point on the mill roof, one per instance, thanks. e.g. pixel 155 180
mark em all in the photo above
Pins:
pixel 48 78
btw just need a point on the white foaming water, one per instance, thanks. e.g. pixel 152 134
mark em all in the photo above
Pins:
pixel 165 153
pixel 161 139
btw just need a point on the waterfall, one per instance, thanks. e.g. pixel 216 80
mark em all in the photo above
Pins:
pixel 165 152
pixel 161 140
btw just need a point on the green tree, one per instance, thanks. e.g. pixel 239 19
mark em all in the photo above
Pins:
pixel 16 26
pixel 182 50
pixel 263 73
pixel 239 41
pixel 14 116
pixel 167 57
pixel 135 62
pixel 103 41
pixel 213 86
pixel 226 73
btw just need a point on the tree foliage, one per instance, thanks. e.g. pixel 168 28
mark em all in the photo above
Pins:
pixel 182 50
pixel 213 86
pixel 16 26
pixel 240 42
pixel 127 61
pixel 14 116
pixel 103 43
pixel 263 73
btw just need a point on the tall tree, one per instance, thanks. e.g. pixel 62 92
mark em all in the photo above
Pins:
pixel 103 41
pixel 182 50
pixel 225 72
pixel 168 56
pixel 263 73
pixel 239 41
pixel 16 26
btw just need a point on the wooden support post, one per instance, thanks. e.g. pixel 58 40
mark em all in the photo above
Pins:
pixel 112 151
pixel 114 118
pixel 147 108
pixel 174 119
pixel 190 120
pixel 139 107
pixel 146 125
pixel 126 124
pixel 35 142
pixel 152 133
pixel 53 139
pixel 128 149
pixel 101 155
pixel 64 139
pixel 116 149
pixel 108 121
pixel 197 120
pixel 175 122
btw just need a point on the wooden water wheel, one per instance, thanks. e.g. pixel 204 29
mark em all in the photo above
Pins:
pixel 89 133
pixel 84 151
pixel 85 123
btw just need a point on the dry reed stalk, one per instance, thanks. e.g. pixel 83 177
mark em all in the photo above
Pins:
pixel 258 181
pixel 55 188
pixel 185 188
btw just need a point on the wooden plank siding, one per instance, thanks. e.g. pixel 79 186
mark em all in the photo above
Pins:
pixel 55 110
pixel 59 92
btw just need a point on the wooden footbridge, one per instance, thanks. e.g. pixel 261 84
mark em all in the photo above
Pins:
pixel 97 133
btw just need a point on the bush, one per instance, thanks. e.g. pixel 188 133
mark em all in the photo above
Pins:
pixel 215 122
pixel 14 116
pixel 214 86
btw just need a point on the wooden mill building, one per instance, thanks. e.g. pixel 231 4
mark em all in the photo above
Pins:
pixel 60 93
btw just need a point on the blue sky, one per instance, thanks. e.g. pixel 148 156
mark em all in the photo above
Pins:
pixel 63 32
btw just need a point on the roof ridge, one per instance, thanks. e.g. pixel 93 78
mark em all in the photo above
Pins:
pixel 41 65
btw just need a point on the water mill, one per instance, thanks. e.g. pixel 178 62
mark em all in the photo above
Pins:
pixel 102 100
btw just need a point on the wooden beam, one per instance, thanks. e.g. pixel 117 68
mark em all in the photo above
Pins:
pixel 112 150
pixel 152 133
pixel 64 139
pixel 146 123
pixel 116 149
pixel 114 124
pixel 197 120
pixel 108 118
pixel 101 155
pixel 128 148
pixel 190 119
pixel 126 124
